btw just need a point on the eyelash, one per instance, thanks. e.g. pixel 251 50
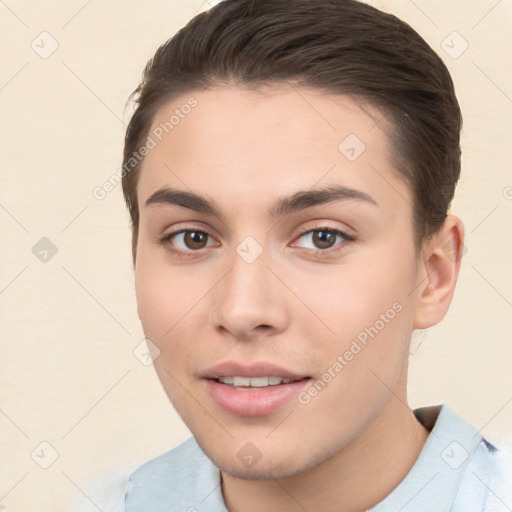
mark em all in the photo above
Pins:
pixel 347 239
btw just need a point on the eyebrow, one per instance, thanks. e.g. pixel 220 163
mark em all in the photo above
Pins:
pixel 298 201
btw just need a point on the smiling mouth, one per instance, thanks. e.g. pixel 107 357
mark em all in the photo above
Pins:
pixel 256 382
pixel 257 392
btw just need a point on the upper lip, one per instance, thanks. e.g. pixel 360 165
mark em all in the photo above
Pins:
pixel 252 370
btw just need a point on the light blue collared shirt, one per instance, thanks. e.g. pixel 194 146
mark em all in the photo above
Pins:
pixel 456 471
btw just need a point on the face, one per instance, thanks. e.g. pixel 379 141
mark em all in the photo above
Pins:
pixel 275 273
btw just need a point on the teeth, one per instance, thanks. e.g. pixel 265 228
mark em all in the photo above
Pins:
pixel 255 382
pixel 258 382
pixel 241 381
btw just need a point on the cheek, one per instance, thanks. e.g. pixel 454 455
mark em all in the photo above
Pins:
pixel 155 304
pixel 162 312
pixel 352 298
pixel 366 315
pixel 165 297
pixel 361 369
pixel 171 311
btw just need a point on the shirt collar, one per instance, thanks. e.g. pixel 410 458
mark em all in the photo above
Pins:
pixel 435 477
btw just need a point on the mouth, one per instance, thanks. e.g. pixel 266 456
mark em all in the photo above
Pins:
pixel 253 390
pixel 256 382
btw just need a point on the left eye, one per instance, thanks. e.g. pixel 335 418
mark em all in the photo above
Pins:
pixel 323 238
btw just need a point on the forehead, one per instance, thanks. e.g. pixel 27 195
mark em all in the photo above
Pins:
pixel 236 143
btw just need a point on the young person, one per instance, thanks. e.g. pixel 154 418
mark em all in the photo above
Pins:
pixel 288 171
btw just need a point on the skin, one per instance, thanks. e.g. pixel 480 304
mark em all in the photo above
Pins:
pixel 353 443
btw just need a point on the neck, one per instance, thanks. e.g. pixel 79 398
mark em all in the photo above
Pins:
pixel 356 478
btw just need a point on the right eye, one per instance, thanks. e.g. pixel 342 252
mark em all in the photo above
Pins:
pixel 186 241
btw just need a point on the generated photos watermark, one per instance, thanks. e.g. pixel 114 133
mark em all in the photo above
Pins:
pixel 151 142
pixel 356 346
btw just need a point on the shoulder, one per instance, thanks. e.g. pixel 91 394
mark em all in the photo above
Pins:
pixel 183 476
pixel 105 491
pixel 500 477
pixel 487 484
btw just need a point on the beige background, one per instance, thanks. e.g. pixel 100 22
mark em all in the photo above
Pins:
pixel 69 326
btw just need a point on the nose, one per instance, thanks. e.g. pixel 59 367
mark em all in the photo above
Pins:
pixel 250 300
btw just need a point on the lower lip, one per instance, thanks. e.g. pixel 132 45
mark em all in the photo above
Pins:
pixel 253 402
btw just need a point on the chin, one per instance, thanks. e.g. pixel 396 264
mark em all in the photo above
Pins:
pixel 279 466
pixel 261 470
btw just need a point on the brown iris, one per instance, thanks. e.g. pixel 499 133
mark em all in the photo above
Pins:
pixel 195 239
pixel 324 239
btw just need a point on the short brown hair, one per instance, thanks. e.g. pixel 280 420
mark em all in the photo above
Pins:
pixel 336 46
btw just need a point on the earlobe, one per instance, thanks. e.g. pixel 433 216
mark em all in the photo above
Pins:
pixel 439 270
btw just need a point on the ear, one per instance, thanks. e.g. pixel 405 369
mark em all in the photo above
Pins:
pixel 438 272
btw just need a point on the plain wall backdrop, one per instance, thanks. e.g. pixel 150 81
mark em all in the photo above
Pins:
pixel 72 368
